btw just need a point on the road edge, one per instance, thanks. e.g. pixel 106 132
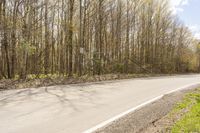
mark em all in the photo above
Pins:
pixel 123 114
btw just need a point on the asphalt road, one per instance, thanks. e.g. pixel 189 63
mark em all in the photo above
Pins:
pixel 76 108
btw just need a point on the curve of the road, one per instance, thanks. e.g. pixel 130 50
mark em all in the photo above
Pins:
pixel 77 108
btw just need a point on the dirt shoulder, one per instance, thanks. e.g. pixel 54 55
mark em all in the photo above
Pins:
pixel 153 118
pixel 7 84
pixel 50 81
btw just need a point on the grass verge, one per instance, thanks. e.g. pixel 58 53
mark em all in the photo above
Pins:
pixel 189 120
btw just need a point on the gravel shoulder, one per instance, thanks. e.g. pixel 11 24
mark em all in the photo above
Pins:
pixel 151 118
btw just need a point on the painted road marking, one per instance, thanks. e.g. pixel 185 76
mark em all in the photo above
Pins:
pixel 103 124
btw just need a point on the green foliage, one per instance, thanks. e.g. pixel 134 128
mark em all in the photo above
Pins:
pixel 190 123
pixel 25 46
pixel 198 47
pixel 118 67
pixel 43 76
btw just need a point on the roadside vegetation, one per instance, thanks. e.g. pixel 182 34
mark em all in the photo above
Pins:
pixel 188 112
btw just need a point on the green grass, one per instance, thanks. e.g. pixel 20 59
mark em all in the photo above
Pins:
pixel 190 122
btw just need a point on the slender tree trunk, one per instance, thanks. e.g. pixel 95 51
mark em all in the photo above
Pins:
pixel 47 47
pixel 5 40
pixel 70 39
pixel 80 48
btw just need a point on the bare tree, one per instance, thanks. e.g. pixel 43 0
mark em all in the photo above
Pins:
pixel 87 37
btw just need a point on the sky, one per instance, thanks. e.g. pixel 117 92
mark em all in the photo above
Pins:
pixel 189 13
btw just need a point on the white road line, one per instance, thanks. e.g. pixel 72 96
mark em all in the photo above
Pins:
pixel 103 124
pixel 194 85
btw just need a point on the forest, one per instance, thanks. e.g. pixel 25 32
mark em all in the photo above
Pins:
pixel 93 37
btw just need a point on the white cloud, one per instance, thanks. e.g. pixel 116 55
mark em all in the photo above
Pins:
pixel 197 36
pixel 195 30
pixel 177 5
pixel 185 2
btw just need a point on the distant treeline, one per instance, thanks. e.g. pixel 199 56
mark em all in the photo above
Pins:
pixel 93 37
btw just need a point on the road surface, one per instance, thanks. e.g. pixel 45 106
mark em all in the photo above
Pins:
pixel 77 108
